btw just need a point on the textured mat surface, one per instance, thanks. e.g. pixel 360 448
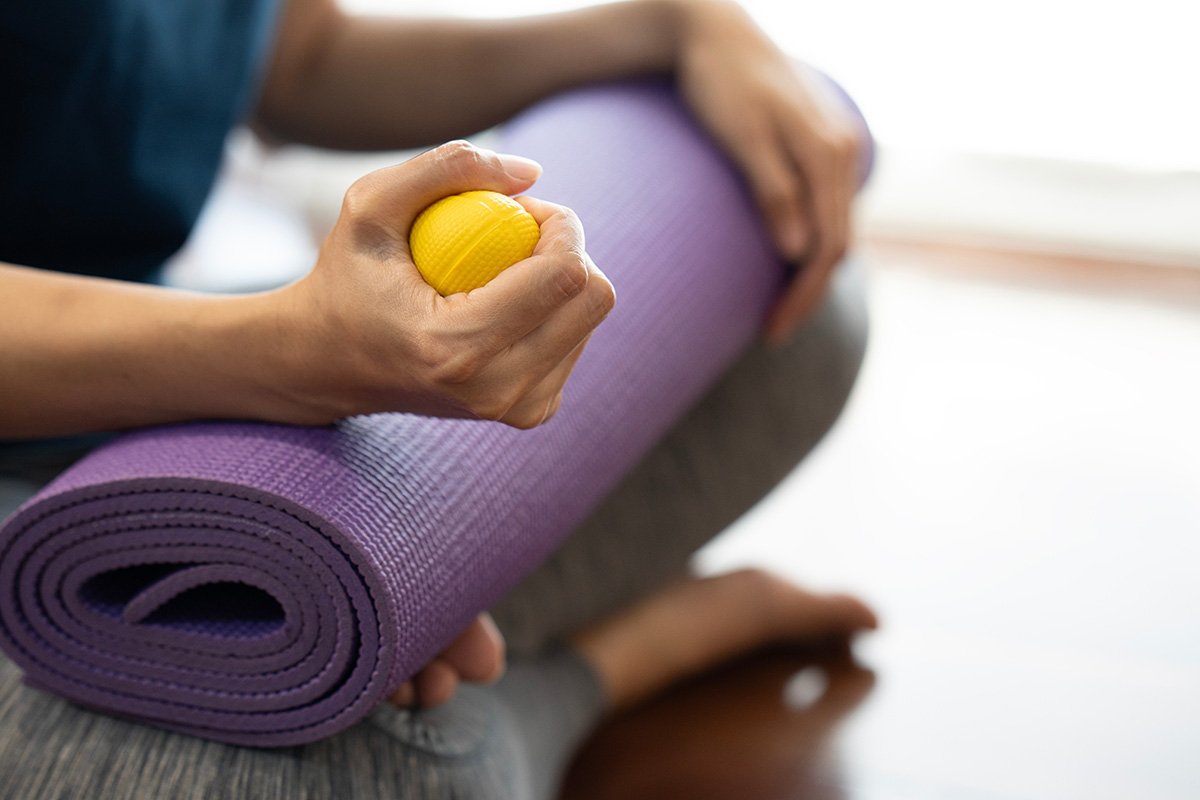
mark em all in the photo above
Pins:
pixel 270 585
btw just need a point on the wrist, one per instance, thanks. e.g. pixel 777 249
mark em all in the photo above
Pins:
pixel 123 355
pixel 233 359
pixel 284 367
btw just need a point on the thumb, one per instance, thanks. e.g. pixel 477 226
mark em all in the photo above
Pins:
pixel 401 192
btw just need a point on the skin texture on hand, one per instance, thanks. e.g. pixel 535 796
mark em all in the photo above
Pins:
pixel 362 333
pixel 365 333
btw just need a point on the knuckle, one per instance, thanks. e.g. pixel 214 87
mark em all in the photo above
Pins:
pixel 846 145
pixel 570 240
pixel 761 583
pixel 571 218
pixel 458 148
pixel 603 297
pixel 360 212
pixel 461 158
pixel 571 276
pixel 357 201
pixel 842 141
pixel 853 139
pixel 754 576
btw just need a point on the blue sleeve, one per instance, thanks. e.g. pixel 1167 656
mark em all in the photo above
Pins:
pixel 115 113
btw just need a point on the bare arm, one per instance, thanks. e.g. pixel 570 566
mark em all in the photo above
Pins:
pixel 379 83
pixel 361 333
pixel 86 354
pixel 81 354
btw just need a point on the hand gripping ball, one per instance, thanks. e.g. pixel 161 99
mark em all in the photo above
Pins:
pixel 463 241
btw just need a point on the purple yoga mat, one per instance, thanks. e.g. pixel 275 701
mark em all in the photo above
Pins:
pixel 269 585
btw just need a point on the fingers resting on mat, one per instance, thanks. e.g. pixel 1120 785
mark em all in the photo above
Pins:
pixel 798 147
pixel 368 334
pixel 476 656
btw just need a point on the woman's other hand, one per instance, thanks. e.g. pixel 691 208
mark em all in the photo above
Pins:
pixel 365 333
pixel 476 656
pixel 797 146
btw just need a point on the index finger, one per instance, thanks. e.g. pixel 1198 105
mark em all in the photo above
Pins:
pixel 394 196
pixel 525 296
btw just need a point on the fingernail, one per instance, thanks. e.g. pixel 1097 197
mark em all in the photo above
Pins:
pixel 523 169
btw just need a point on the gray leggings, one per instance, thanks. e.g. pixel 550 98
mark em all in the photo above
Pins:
pixel 511 740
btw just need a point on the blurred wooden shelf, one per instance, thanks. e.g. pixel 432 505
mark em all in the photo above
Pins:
pixel 1175 284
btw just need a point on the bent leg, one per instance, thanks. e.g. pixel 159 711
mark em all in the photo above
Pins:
pixel 733 447
pixel 503 742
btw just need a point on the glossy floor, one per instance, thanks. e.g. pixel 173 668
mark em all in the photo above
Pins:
pixel 1015 487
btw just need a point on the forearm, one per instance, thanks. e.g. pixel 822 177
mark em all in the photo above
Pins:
pixel 84 354
pixel 358 83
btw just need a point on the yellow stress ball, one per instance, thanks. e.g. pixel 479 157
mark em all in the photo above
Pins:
pixel 463 241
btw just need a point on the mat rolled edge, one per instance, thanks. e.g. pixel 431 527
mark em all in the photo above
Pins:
pixel 108 602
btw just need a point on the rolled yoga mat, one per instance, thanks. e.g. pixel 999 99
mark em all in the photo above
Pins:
pixel 269 585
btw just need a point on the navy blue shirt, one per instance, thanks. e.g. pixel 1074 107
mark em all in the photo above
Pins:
pixel 113 115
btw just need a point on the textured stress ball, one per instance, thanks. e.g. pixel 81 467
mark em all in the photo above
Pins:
pixel 463 241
